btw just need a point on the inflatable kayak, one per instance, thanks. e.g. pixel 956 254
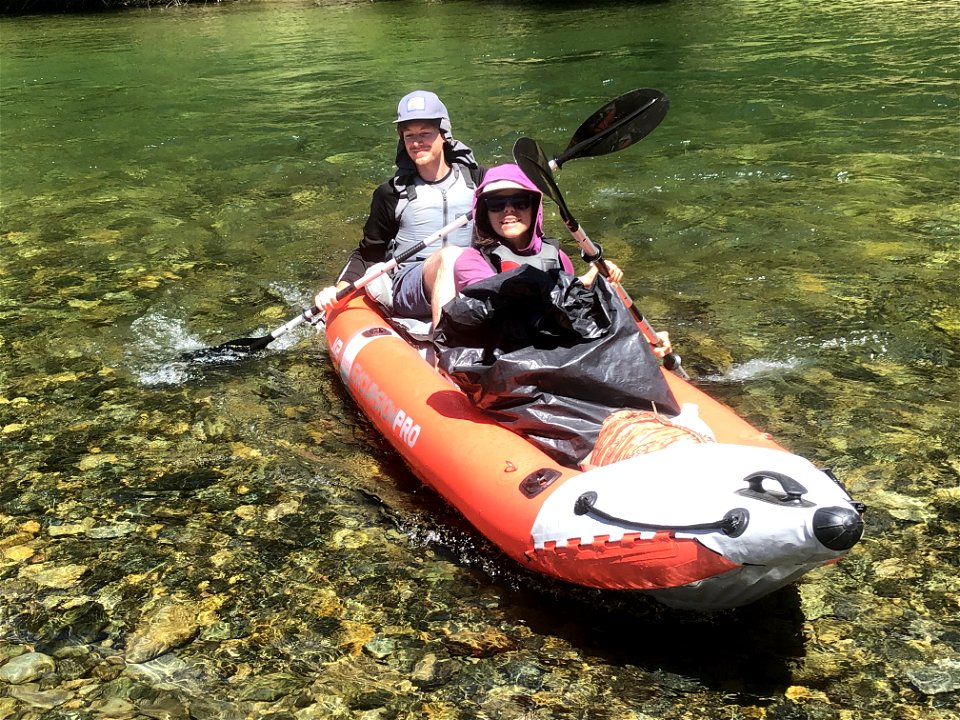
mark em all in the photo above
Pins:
pixel 709 513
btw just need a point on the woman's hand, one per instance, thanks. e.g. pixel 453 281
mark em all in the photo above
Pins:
pixel 615 276
pixel 665 348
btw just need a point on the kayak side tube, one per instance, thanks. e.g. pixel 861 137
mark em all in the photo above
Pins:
pixel 478 466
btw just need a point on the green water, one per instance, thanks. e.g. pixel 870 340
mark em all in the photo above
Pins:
pixel 180 176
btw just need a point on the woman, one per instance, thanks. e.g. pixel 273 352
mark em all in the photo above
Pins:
pixel 516 347
pixel 508 231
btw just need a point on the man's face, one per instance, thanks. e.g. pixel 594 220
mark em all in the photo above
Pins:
pixel 423 140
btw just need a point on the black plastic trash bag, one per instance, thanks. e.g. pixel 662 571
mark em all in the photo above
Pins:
pixel 549 358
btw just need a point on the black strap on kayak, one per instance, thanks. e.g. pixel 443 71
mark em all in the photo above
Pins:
pixel 733 523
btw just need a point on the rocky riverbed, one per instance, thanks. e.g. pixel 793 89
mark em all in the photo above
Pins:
pixel 229 548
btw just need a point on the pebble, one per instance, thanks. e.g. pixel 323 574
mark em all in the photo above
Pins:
pixel 108 532
pixel 380 647
pixel 114 708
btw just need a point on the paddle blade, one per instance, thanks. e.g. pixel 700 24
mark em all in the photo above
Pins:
pixel 618 124
pixel 528 154
pixel 227 351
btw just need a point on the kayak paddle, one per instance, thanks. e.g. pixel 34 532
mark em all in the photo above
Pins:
pixel 252 344
pixel 532 160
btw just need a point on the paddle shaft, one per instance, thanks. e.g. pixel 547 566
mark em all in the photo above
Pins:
pixel 592 254
pixel 389 266
pixel 379 270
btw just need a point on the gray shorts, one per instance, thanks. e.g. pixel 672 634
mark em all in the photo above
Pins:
pixel 409 299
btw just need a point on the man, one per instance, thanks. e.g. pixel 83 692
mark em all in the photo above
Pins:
pixel 434 183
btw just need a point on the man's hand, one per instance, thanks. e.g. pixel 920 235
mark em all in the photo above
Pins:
pixel 326 299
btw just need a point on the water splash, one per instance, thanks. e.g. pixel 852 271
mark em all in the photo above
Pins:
pixel 758 367
pixel 874 343
pixel 166 353
pixel 292 295
pixel 160 341
pixel 868 343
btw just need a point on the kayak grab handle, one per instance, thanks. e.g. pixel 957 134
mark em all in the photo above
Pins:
pixel 792 494
pixel 733 523
pixel 538 481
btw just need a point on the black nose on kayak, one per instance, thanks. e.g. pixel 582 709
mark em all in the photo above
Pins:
pixel 837 528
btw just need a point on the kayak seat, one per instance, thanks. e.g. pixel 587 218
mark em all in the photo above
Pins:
pixel 413 329
pixel 418 333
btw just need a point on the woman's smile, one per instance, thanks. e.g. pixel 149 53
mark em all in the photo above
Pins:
pixel 508 220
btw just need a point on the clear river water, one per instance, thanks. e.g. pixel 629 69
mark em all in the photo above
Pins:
pixel 182 540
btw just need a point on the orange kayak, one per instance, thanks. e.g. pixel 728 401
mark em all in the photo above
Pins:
pixel 704 526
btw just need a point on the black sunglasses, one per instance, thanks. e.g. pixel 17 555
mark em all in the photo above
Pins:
pixel 498 203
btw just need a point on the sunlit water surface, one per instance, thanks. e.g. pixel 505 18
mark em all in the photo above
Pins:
pixel 234 540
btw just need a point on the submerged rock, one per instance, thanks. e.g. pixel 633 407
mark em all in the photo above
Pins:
pixel 271 687
pixel 27 667
pixel 940 676
pixel 53 576
pixel 162 630
pixel 30 694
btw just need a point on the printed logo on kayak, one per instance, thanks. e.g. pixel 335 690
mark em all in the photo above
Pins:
pixel 381 405
pixel 336 347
